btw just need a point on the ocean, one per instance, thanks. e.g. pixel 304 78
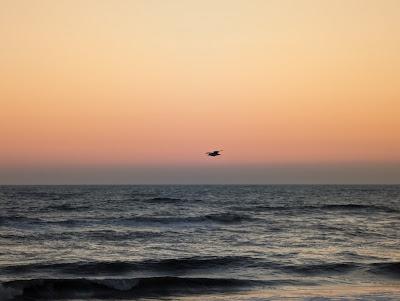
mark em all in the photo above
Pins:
pixel 201 242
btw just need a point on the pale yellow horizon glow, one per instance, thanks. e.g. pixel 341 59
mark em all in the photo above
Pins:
pixel 162 82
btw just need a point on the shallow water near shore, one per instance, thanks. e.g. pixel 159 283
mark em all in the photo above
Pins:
pixel 200 242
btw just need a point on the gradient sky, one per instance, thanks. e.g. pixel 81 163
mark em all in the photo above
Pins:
pixel 130 87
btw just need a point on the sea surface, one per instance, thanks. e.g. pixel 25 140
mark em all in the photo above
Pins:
pixel 200 242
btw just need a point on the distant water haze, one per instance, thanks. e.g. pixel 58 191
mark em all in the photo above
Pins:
pixel 216 173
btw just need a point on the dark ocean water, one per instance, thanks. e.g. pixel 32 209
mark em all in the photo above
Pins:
pixel 199 242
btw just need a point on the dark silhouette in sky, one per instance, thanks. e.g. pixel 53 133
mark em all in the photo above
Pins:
pixel 214 153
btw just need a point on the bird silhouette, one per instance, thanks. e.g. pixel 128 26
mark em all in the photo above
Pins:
pixel 214 153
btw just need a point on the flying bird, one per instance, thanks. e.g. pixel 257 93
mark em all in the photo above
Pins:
pixel 214 153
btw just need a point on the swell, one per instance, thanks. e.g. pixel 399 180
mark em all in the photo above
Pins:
pixel 325 207
pixel 322 269
pixel 164 200
pixel 218 218
pixel 51 289
pixel 146 199
pixel 208 264
pixel 17 219
pixel 94 235
pixel 357 207
pixel 120 267
pixel 385 269
pixel 65 207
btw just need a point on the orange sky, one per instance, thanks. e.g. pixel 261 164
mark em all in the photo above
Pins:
pixel 106 83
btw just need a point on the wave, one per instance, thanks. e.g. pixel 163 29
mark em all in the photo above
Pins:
pixel 205 263
pixel 327 207
pixel 94 235
pixel 322 269
pixel 164 200
pixel 65 207
pixel 220 218
pixel 17 219
pixel 388 269
pixel 112 235
pixel 51 289
pixel 121 267
pixel 24 221
pixel 357 207
pixel 229 218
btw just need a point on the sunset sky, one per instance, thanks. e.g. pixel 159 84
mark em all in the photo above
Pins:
pixel 297 89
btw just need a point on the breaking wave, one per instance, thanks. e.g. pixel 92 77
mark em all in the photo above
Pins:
pixel 53 289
